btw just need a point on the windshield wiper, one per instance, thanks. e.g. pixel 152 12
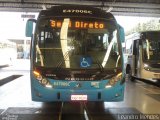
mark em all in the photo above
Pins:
pixel 99 64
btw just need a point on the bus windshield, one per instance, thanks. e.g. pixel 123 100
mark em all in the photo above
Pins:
pixel 89 44
pixel 151 47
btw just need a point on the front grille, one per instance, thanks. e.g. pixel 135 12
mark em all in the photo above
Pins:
pixel 79 79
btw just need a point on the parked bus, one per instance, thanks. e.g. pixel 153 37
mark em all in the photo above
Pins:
pixel 76 55
pixel 8 52
pixel 143 51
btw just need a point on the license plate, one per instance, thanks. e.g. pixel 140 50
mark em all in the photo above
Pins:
pixel 78 97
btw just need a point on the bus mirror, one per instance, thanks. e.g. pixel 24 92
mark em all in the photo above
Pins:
pixel 29 27
pixel 122 34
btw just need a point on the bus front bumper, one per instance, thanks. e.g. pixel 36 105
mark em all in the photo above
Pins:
pixel 43 94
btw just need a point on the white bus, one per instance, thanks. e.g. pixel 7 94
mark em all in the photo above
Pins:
pixel 143 55
pixel 8 52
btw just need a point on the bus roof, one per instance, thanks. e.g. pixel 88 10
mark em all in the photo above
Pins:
pixel 76 10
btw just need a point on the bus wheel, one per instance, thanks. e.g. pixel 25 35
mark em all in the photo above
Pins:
pixel 158 82
pixel 129 73
pixel 130 77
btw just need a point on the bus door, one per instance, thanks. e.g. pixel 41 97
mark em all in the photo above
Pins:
pixel 136 57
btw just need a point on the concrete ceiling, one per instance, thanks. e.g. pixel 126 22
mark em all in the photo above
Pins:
pixel 149 8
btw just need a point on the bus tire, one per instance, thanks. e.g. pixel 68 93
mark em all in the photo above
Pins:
pixel 158 82
pixel 131 78
pixel 129 73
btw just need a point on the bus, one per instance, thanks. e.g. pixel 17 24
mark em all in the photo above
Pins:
pixel 8 52
pixel 76 55
pixel 143 55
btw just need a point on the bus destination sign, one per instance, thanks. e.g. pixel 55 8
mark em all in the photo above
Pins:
pixel 79 24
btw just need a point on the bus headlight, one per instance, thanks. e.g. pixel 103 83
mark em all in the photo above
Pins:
pixel 44 81
pixel 114 80
pixel 146 67
pixel 41 79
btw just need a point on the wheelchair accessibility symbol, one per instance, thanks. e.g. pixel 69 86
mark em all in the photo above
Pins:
pixel 85 62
